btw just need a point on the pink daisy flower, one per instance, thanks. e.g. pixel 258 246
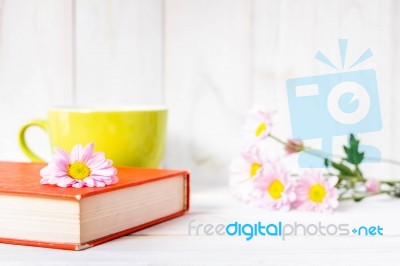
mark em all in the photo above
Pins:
pixel 316 193
pixel 243 171
pixel 82 167
pixel 275 186
pixel 258 124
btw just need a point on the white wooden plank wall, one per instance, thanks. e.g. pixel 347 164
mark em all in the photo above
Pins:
pixel 118 52
pixel 35 67
pixel 209 61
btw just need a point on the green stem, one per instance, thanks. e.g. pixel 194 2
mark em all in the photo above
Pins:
pixel 359 198
pixel 277 139
pixel 324 155
pixel 390 183
pixel 305 149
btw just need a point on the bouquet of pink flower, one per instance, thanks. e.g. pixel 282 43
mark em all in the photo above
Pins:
pixel 257 178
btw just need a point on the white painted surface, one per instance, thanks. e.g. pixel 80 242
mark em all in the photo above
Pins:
pixel 170 244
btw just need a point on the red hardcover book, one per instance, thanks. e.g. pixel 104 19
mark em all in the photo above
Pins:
pixel 78 218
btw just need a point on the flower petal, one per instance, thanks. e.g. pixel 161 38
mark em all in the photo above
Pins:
pixel 96 159
pixel 104 172
pixel 114 179
pixel 88 152
pixel 51 170
pixel 78 184
pixel 100 164
pixel 65 181
pixel 100 184
pixel 77 153
pixel 61 164
pixel 89 181
pixel 332 181
pixel 62 154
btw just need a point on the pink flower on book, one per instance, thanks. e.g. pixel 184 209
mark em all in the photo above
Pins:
pixel 276 187
pixel 82 167
pixel 258 124
pixel 315 193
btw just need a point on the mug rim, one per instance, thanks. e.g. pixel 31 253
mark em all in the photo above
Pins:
pixel 109 108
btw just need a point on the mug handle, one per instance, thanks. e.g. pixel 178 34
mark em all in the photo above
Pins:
pixel 21 138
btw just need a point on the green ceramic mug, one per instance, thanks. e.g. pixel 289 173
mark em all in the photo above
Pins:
pixel 132 136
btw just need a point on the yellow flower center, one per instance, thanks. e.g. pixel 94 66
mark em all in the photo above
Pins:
pixel 78 170
pixel 254 168
pixel 317 193
pixel 275 189
pixel 260 129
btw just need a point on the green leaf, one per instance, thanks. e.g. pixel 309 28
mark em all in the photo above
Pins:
pixel 353 155
pixel 343 169
pixel 358 199
pixel 396 192
pixel 326 162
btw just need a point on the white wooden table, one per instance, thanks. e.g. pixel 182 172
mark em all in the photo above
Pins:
pixel 170 244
